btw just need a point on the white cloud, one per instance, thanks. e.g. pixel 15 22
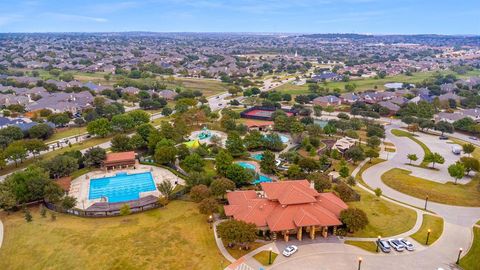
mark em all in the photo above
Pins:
pixel 8 19
pixel 104 8
pixel 74 17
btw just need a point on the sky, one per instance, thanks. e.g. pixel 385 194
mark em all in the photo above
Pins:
pixel 264 16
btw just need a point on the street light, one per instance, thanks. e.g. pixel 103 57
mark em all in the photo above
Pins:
pixel 426 201
pixel 270 256
pixel 359 262
pixel 459 254
pixel 210 221
pixel 378 243
pixel 428 236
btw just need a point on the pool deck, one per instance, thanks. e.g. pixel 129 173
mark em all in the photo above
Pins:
pixel 80 186
pixel 220 134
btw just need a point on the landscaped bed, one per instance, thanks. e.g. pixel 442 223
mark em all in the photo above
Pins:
pixel 448 193
pixel 432 223
pixel 471 260
pixel 365 245
pixel 263 257
pixel 177 237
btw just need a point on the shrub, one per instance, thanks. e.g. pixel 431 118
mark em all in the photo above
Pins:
pixel 354 219
pixel 199 192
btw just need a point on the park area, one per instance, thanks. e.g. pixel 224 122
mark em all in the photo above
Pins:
pixel 176 237
pixel 448 193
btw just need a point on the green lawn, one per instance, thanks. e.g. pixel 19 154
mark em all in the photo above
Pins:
pixel 264 256
pixel 177 237
pixel 366 245
pixel 237 252
pixel 67 132
pixel 385 218
pixel 471 261
pixel 435 224
pixel 449 193
pixel 403 133
pixel 371 83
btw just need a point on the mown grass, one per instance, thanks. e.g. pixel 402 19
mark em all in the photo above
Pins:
pixel 435 224
pixel 264 256
pixel 426 150
pixel 237 252
pixel 67 132
pixel 448 193
pixel 372 83
pixel 471 261
pixel 365 245
pixel 177 237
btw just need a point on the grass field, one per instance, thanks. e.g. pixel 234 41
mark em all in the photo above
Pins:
pixel 449 193
pixel 435 224
pixel 177 237
pixel 365 245
pixel 237 253
pixel 471 261
pixel 67 132
pixel 403 133
pixel 385 218
pixel 371 83
pixel 264 256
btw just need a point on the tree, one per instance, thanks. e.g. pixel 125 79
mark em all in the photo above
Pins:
pixel 344 171
pixel 100 127
pixel 239 175
pixel 354 219
pixel 434 158
pixel 309 164
pixel 235 145
pixel 295 172
pixel 267 164
pixel 444 126
pixel 12 132
pixel 193 162
pixel 27 185
pixel 94 157
pixel 468 148
pixel 139 117
pixel 61 166
pixel 165 154
pixel 470 164
pixel 320 181
pixel 166 189
pixel 208 206
pixel 237 232
pixel 355 153
pixel 125 210
pixel 59 119
pixel 371 153
pixel 40 131
pixel 378 192
pixel 28 215
pixel 199 192
pixel 68 202
pixel 7 198
pixel 412 157
pixel 122 122
pixel 456 171
pixel 345 192
pixel 15 152
pixel 375 130
pixel 35 146
pixel 121 143
pixel 220 186
pixel 373 142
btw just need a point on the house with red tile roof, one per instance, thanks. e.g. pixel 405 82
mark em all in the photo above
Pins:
pixel 287 207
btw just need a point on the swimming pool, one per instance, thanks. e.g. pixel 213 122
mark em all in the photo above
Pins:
pixel 247 165
pixel 262 179
pixel 121 187
pixel 258 156
pixel 284 139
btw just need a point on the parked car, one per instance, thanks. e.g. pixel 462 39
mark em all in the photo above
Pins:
pixel 473 138
pixel 408 246
pixel 289 250
pixel 383 245
pixel 443 137
pixel 397 245
pixel 456 149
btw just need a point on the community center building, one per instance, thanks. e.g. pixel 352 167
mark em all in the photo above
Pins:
pixel 287 207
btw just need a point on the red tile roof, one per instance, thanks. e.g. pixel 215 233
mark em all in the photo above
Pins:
pixel 120 156
pixel 287 205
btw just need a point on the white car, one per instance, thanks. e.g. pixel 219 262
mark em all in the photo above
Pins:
pixel 408 246
pixel 396 244
pixel 288 251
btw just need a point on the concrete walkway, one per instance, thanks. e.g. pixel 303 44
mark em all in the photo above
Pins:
pixel 1 233
pixel 219 242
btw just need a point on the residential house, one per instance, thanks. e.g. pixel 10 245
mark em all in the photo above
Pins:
pixel 327 101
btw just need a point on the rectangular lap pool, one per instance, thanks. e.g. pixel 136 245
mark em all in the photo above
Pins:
pixel 121 187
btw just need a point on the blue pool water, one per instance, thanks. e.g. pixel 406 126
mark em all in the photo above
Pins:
pixel 284 139
pixel 121 187
pixel 262 179
pixel 246 165
pixel 258 157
